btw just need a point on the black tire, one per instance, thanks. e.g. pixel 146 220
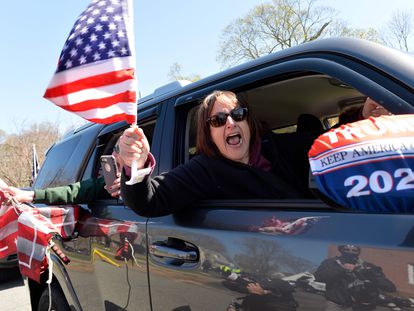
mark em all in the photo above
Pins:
pixel 59 302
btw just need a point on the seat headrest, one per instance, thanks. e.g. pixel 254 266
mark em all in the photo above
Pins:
pixel 309 123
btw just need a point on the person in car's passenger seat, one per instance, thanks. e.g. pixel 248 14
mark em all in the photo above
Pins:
pixel 232 162
pixel 83 192
pixel 370 109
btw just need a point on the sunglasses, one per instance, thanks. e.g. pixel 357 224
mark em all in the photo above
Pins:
pixel 220 119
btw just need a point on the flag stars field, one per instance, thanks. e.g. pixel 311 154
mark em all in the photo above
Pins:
pixel 95 29
pixel 98 28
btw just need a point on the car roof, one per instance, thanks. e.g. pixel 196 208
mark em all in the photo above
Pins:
pixel 396 63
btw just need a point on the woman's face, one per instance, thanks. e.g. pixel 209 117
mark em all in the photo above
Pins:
pixel 233 138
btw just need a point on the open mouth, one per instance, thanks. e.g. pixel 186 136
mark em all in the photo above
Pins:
pixel 234 139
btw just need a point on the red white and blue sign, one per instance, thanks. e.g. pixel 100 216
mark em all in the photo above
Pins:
pixel 367 165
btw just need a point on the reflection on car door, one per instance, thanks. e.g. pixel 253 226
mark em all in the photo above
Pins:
pixel 273 250
pixel 108 258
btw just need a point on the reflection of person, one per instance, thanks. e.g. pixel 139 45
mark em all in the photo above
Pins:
pixel 370 109
pixel 266 295
pixel 126 250
pixel 82 192
pixel 230 163
pixel 352 283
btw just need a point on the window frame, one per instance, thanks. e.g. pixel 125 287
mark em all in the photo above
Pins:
pixel 369 81
pixel 73 168
pixel 150 116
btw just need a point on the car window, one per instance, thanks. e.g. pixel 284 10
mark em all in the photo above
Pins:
pixel 105 146
pixel 52 170
pixel 64 162
pixel 291 107
pixel 278 105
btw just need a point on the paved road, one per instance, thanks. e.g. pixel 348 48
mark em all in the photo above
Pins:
pixel 13 294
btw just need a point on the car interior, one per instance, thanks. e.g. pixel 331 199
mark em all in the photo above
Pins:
pixel 281 103
pixel 107 143
pixel 310 103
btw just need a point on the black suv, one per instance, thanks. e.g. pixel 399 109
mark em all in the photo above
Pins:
pixel 240 254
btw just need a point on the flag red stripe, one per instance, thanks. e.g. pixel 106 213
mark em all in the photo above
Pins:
pixel 90 82
pixel 127 97
pixel 55 216
pixel 10 242
pixel 130 119
pixel 8 217
pixel 34 271
pixel 27 233
pixel 6 224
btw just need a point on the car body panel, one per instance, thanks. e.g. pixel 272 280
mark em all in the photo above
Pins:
pixel 240 239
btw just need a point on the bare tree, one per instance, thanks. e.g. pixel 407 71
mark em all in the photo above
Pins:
pixel 175 74
pixel 339 28
pixel 400 30
pixel 16 152
pixel 279 25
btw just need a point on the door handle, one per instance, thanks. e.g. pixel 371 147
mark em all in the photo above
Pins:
pixel 173 253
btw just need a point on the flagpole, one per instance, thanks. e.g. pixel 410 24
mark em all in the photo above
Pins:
pixel 130 33
pixel 129 26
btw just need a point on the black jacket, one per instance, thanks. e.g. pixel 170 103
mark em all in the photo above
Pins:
pixel 351 288
pixel 219 178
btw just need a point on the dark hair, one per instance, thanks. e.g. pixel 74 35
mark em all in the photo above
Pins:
pixel 350 115
pixel 204 143
pixel 109 147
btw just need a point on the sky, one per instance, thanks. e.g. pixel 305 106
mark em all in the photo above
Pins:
pixel 186 32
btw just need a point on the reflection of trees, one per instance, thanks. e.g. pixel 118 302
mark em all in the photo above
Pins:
pixel 267 257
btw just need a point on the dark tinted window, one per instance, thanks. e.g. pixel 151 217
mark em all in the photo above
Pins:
pixel 105 144
pixel 65 162
pixel 54 172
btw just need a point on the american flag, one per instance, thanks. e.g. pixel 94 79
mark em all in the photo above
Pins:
pixel 36 227
pixel 95 76
pixel 8 226
pixel 292 227
pixel 29 232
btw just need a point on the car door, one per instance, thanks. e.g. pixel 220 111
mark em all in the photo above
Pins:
pixel 108 258
pixel 108 269
pixel 269 254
